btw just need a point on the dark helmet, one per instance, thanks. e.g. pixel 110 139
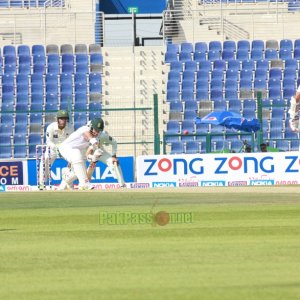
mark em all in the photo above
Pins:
pixel 62 114
pixel 97 124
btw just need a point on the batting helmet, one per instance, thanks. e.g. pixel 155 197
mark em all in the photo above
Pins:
pixel 97 124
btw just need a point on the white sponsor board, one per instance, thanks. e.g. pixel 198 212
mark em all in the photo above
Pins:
pixel 234 169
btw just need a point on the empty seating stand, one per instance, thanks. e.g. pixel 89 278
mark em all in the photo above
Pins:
pixel 41 79
pixel 227 73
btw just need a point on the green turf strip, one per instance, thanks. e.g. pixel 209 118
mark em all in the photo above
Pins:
pixel 239 246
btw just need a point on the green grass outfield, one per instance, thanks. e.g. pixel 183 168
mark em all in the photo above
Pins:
pixel 243 243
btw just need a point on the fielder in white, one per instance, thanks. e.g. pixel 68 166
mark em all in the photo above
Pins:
pixel 102 155
pixel 56 133
pixel 293 111
pixel 74 150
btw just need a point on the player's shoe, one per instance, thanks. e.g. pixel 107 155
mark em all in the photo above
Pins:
pixel 294 124
pixel 86 187
pixel 41 187
pixel 123 186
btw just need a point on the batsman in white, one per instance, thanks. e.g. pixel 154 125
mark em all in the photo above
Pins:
pixel 74 150
pixel 102 155
pixel 293 111
pixel 56 133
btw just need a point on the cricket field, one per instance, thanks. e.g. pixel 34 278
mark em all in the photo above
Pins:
pixel 181 243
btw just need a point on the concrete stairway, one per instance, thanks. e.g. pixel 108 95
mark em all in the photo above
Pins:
pixel 131 77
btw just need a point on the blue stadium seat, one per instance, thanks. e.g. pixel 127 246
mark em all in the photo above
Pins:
pixel 285 54
pixel 9 50
pixel 219 64
pixel 249 104
pixel 275 93
pixel 20 151
pixel 188 75
pixel 288 92
pixel 261 74
pixel 275 73
pixel 231 84
pixel 96 58
pixel 7 107
pixel 187 95
pixel 262 64
pixel 246 74
pixel 173 127
pixel 172 76
pixel 234 65
pixel 229 45
pixel 51 87
pixel 234 105
pixel 171 57
pixel 66 87
pixel 39 68
pixel 203 75
pixel 291 64
pixel 38 50
pixel 205 65
pixel 290 73
pixel 243 44
pixel 228 55
pixel 260 84
pixel 191 66
pixel 173 48
pixel 192 147
pixel 274 83
pixel 185 56
pixel 177 148
pixel 186 47
pixel 200 56
pixel 231 94
pixel 81 98
pixel 202 85
pixel 66 78
pixel 257 54
pixel 242 54
pixel 176 106
pixel 94 87
pixel 81 68
pixel 214 55
pixel 79 119
pixel 297 53
pixel 286 44
pixel 171 85
pixel 176 66
pixel 201 47
pixel 271 54
pixel 7 119
pixel 232 74
pixel 172 95
pixel 219 105
pixel 217 74
pixel 248 64
pixel 24 64
pixel 189 115
pixel 289 83
pixel 190 105
pixel 258 45
pixel 8 98
pixel 216 94
pixel 81 78
pixel 33 140
pixel 53 62
pixel 215 46
pixel 94 107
